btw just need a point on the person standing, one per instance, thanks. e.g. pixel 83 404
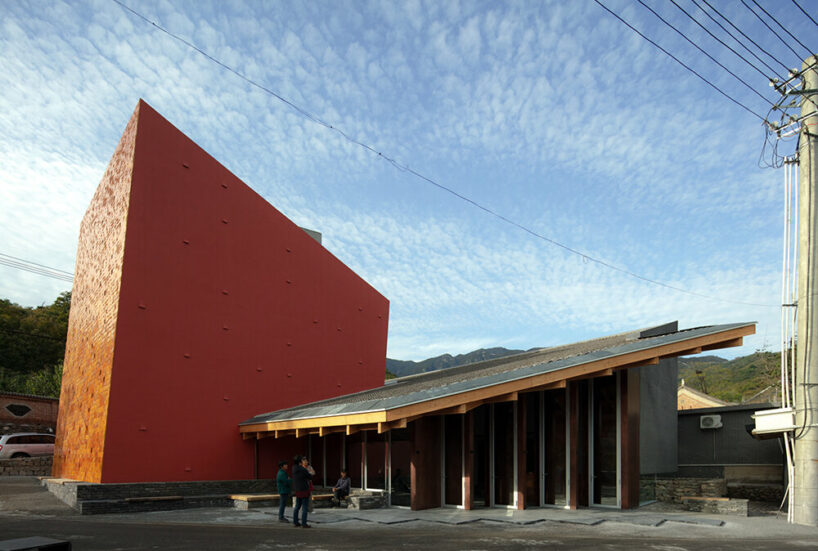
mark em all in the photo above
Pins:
pixel 284 483
pixel 302 480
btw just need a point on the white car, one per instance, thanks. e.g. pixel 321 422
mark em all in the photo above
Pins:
pixel 26 444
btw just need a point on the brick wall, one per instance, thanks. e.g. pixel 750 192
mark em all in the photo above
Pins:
pixel 89 351
pixel 42 411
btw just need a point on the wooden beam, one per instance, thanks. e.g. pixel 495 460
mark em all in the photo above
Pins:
pixel 281 433
pixel 726 344
pixel 688 352
pixel 384 427
pixel 594 375
pixel 510 397
pixel 315 422
pixel 323 431
pixel 460 409
pixel 549 386
pixel 248 435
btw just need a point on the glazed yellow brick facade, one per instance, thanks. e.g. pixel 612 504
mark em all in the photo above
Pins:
pixel 89 352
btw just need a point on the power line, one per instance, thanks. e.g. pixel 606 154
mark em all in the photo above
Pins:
pixel 753 42
pixel 809 51
pixel 406 168
pixel 33 267
pixel 680 62
pixel 719 40
pixel 805 12
pixel 713 59
pixel 739 42
pixel 771 29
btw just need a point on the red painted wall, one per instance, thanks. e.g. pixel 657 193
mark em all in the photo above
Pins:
pixel 227 309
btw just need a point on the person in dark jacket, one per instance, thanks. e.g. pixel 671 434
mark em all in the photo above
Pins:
pixel 284 484
pixel 302 480
pixel 341 488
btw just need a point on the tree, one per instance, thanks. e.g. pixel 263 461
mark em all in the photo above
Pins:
pixel 46 382
pixel 32 345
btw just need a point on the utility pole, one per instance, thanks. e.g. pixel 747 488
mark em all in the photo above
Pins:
pixel 805 479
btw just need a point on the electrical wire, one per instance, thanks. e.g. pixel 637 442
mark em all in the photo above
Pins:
pixel 677 60
pixel 720 41
pixel 713 59
pixel 739 42
pixel 808 50
pixel 406 168
pixel 805 12
pixel 753 42
pixel 33 267
pixel 771 29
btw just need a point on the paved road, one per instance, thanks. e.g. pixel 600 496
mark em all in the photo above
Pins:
pixel 26 510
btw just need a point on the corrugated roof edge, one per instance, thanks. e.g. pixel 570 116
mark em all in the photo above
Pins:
pixel 315 409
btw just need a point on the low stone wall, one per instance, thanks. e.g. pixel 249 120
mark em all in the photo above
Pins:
pixel 91 498
pixel 26 466
pixel 773 493
pixel 672 490
pixel 738 507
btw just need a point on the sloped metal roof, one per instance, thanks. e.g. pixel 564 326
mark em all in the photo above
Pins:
pixel 448 382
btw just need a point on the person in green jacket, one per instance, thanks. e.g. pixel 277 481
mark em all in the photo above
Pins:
pixel 284 483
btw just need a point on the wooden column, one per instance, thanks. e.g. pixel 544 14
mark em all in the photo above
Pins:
pixel 578 453
pixel 629 403
pixel 468 461
pixel 425 463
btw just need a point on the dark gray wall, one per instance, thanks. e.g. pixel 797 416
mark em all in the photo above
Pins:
pixel 657 424
pixel 728 445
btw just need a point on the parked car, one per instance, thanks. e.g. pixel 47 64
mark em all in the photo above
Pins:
pixel 26 444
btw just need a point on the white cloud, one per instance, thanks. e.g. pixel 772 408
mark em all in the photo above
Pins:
pixel 550 113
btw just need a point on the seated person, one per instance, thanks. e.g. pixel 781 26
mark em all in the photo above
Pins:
pixel 342 487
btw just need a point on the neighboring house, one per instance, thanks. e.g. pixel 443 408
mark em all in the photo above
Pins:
pixel 690 398
pixel 27 413
pixel 716 442
pixel 769 395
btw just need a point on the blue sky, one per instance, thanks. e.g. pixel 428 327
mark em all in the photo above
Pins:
pixel 551 113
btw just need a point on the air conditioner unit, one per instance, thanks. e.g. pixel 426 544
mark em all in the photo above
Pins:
pixel 710 422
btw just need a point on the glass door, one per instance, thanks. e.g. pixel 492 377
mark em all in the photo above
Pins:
pixel 482 456
pixel 504 456
pixel 555 437
pixel 453 459
pixel 605 442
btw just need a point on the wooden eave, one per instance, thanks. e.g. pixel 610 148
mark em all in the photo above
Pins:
pixel 398 417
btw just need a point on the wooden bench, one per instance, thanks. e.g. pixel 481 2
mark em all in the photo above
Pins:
pixel 245 502
pixel 254 497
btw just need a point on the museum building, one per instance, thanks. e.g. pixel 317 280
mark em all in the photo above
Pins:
pixel 197 306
